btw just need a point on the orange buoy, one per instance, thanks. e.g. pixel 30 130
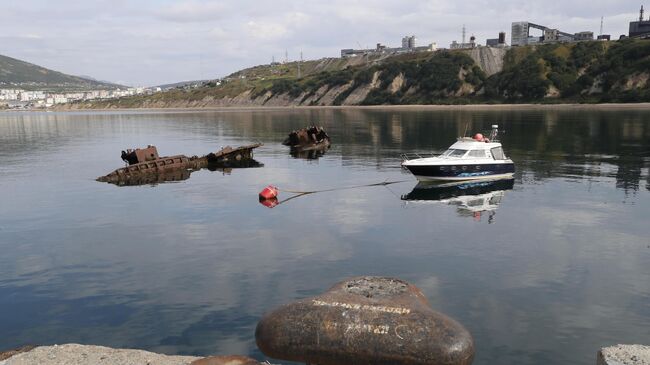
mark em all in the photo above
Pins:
pixel 269 192
pixel 478 137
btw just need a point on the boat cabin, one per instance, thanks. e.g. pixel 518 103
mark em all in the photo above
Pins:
pixel 140 155
pixel 468 148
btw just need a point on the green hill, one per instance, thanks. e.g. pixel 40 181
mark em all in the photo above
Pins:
pixel 585 72
pixel 582 72
pixel 20 74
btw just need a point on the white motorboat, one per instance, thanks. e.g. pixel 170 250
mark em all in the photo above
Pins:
pixel 467 159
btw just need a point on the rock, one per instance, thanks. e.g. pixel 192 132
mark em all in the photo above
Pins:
pixel 74 354
pixel 624 355
pixel 7 354
pixel 226 360
pixel 365 320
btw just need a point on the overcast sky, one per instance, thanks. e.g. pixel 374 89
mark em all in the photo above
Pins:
pixel 150 42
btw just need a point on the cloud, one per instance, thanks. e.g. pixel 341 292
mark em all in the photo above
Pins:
pixel 193 11
pixel 218 33
pixel 266 30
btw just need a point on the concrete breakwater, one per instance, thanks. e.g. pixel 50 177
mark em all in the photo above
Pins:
pixel 75 354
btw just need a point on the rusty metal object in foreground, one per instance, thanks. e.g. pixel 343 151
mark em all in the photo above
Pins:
pixel 365 320
pixel 145 167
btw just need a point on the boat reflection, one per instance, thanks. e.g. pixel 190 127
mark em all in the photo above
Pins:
pixel 309 154
pixel 154 179
pixel 471 199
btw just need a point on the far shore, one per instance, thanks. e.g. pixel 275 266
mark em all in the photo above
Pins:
pixel 608 106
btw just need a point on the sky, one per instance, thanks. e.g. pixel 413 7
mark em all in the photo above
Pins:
pixel 153 42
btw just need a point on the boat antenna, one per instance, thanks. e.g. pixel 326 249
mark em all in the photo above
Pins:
pixel 465 132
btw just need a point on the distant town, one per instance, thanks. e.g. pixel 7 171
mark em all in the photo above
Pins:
pixel 17 98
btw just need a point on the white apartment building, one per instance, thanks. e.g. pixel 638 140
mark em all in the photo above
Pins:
pixel 31 95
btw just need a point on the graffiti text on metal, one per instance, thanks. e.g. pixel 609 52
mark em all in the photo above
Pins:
pixel 355 327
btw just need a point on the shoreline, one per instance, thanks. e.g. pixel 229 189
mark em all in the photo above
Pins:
pixel 78 354
pixel 72 353
pixel 436 107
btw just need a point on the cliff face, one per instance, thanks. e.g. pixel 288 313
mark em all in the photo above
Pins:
pixel 489 59
pixel 577 72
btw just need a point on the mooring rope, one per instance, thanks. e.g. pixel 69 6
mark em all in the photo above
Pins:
pixel 383 183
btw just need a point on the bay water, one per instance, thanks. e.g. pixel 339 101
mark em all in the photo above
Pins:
pixel 547 269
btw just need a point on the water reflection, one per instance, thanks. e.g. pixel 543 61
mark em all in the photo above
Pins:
pixel 154 179
pixel 190 267
pixel 309 154
pixel 544 144
pixel 471 199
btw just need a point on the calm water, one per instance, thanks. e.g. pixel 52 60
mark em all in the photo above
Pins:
pixel 547 270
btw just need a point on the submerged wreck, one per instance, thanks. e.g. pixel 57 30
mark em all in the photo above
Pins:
pixel 308 139
pixel 146 167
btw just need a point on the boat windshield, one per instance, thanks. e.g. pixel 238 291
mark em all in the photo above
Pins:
pixel 497 153
pixel 454 153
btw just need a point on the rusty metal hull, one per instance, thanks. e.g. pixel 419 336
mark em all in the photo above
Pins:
pixel 365 321
pixel 149 178
pixel 308 138
pixel 179 167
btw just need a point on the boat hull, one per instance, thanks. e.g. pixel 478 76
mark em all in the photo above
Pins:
pixel 461 172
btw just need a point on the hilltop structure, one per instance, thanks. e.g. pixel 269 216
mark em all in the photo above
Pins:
pixel 497 42
pixel 641 28
pixel 408 45
pixel 470 45
pixel 520 35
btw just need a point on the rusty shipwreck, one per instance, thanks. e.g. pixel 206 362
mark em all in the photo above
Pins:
pixel 145 166
pixel 310 142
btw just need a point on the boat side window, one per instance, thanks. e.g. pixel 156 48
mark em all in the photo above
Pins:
pixel 455 153
pixel 477 153
pixel 497 153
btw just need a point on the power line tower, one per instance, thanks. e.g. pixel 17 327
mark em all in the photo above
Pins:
pixel 641 14
pixel 286 56
pixel 601 25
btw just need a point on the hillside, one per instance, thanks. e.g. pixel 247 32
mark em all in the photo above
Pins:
pixel 586 72
pixel 23 75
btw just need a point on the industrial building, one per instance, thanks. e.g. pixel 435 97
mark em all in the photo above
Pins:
pixel 408 42
pixel 463 45
pixel 641 28
pixel 520 35
pixel 497 42
pixel 408 45
pixel 584 36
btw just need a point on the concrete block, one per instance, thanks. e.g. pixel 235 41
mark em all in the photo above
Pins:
pixel 624 355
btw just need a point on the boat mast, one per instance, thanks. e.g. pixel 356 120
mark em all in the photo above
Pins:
pixel 494 133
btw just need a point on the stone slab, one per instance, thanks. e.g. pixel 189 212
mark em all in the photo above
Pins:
pixel 624 355
pixel 74 354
